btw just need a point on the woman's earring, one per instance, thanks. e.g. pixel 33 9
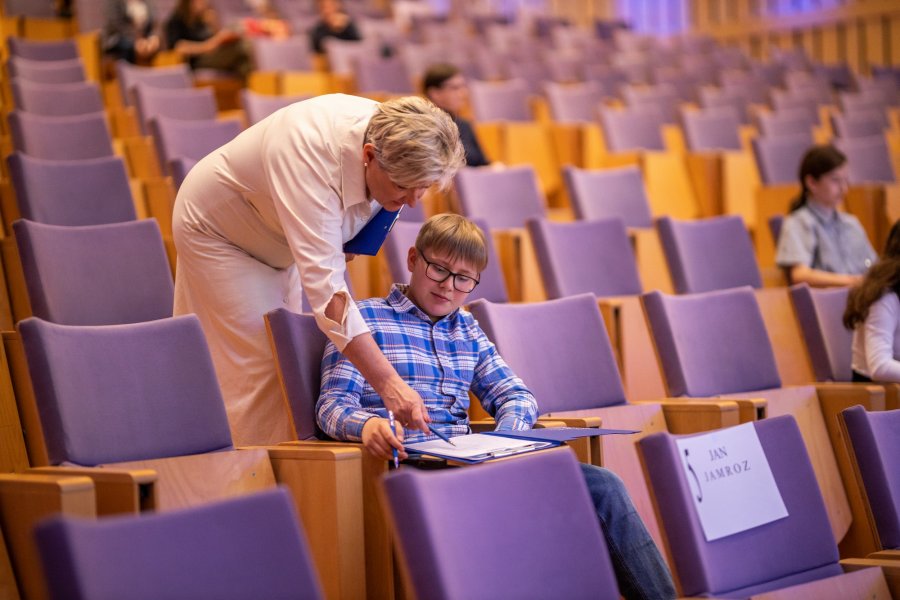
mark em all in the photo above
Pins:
pixel 365 164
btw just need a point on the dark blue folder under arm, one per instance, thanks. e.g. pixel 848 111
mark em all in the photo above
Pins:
pixel 371 236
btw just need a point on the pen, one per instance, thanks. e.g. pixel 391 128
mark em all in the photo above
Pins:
pixel 394 431
pixel 443 436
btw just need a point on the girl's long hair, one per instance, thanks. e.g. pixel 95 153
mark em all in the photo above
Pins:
pixel 817 161
pixel 882 277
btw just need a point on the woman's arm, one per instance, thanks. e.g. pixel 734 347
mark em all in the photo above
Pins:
pixel 819 278
pixel 878 339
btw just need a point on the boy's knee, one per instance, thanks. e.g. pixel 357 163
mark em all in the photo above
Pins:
pixel 604 481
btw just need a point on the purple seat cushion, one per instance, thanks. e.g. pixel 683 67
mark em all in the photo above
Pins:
pixel 246 547
pixel 785 552
pixel 875 441
pixel 609 193
pixel 712 343
pixel 828 342
pixel 119 393
pixel 503 199
pixel 547 534
pixel 559 348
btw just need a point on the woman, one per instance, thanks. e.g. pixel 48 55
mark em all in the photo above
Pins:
pixel 193 32
pixel 272 209
pixel 128 33
pixel 445 85
pixel 873 312
pixel 820 245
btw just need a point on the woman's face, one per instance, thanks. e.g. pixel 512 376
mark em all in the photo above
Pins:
pixel 452 95
pixel 829 189
pixel 379 185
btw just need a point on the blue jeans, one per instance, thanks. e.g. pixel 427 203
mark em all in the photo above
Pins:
pixel 640 569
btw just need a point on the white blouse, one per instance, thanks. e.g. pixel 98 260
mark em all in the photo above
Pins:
pixel 876 343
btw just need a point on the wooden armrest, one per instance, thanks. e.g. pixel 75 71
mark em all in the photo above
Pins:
pixel 837 396
pixel 118 491
pixel 889 568
pixel 693 415
pixel 573 421
pixel 482 425
pixel 588 449
pixel 550 423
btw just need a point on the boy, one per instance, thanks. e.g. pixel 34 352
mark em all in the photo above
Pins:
pixel 442 353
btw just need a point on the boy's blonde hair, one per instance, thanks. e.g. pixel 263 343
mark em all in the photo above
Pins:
pixel 416 143
pixel 455 236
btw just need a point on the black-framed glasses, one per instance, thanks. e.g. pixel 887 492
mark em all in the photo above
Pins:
pixel 439 274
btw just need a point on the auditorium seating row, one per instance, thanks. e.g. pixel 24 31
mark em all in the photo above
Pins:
pixel 745 362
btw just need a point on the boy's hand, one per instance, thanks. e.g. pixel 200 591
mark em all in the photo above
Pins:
pixel 380 441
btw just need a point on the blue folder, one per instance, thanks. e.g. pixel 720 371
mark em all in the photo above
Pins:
pixel 371 236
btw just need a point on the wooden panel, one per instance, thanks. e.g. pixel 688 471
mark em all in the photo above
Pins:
pixel 326 484
pixel 15 279
pixel 13 456
pixel 25 402
pixel 191 480
pixel 519 264
pixel 651 260
pixel 791 355
pixel 118 491
pixel 25 500
pixel 668 185
pixel 867 583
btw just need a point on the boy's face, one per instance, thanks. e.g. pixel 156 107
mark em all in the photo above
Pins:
pixel 437 299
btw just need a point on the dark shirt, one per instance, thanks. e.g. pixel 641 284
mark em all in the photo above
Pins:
pixel 178 29
pixel 474 156
pixel 322 31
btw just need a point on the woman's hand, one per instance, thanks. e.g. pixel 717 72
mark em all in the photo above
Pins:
pixel 408 406
pixel 380 441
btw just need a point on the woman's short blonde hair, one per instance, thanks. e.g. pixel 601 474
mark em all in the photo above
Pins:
pixel 416 143
pixel 455 236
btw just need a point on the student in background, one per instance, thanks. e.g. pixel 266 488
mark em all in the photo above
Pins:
pixel 873 313
pixel 333 22
pixel 129 31
pixel 193 31
pixel 445 85
pixel 442 352
pixel 819 244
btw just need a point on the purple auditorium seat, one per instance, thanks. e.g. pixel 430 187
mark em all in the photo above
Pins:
pixel 712 343
pixel 72 192
pixel 95 274
pixel 708 254
pixel 778 157
pixel 374 74
pixel 802 99
pixel 574 102
pixel 259 106
pixel 790 551
pixel 125 392
pixel 585 257
pixel 609 193
pixel 30 8
pixel 298 345
pixel 858 124
pixel 868 159
pixel 563 355
pixel 71 137
pixel 189 104
pixel 712 129
pixel 343 53
pixel 609 78
pixel 41 50
pixel 291 54
pixel 46 71
pixel 873 439
pixel 173 77
pixel 248 547
pixel 564 66
pixel 829 343
pixel 717 98
pixel 786 123
pixel 503 199
pixel 775 224
pixel 632 129
pixel 57 99
pixel 532 71
pixel 873 99
pixel 500 100
pixel 771 73
pixel 179 167
pixel 661 98
pixel 562 556
pixel 177 138
pixel 491 286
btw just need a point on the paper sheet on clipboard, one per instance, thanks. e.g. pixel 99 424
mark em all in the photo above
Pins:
pixel 478 447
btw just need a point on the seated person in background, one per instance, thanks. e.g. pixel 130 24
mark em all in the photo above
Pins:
pixel 333 22
pixel 445 85
pixel 193 32
pixel 443 354
pixel 128 31
pixel 819 244
pixel 873 313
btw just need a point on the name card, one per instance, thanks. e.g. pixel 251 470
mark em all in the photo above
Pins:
pixel 730 480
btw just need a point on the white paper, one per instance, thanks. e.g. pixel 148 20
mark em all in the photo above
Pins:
pixel 476 446
pixel 730 481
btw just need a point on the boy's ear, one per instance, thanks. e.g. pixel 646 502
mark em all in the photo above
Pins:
pixel 411 257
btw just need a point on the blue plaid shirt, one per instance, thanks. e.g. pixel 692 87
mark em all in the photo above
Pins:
pixel 442 361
